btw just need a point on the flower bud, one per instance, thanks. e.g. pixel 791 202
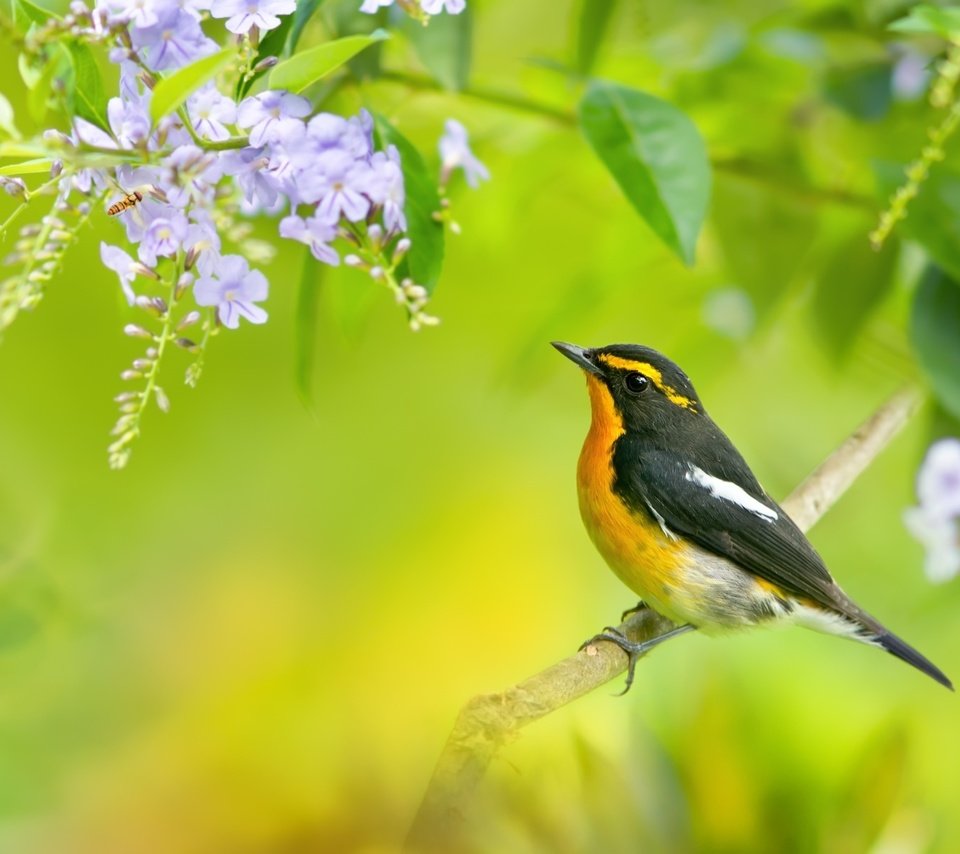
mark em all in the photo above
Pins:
pixel 183 283
pixel 135 331
pixel 353 260
pixel 193 253
pixel 401 249
pixel 265 64
pixel 143 270
pixel 188 320
pixel 14 186
pixel 146 303
pixel 55 138
pixel 56 168
pixel 376 273
pixel 142 364
pixel 187 344
pixel 163 402
pixel 131 375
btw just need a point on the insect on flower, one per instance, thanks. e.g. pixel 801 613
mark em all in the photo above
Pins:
pixel 131 200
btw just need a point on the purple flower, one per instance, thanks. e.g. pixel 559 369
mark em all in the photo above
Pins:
pixel 129 120
pixel 315 233
pixel 327 130
pixel 203 241
pixel 935 522
pixel 191 175
pixel 163 237
pixel 114 258
pixel 940 540
pixel 248 168
pixel 174 41
pixel 455 153
pixel 245 14
pixel 271 115
pixel 435 7
pixel 336 182
pixel 385 187
pixel 233 288
pixel 938 483
pixel 210 112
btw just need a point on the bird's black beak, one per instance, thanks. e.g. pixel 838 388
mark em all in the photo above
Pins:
pixel 580 356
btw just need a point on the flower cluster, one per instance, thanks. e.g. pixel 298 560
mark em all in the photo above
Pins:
pixel 416 8
pixel 936 521
pixel 181 187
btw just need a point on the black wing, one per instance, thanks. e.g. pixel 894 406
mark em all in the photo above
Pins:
pixel 768 544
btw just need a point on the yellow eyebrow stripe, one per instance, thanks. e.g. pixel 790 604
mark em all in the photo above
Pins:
pixel 655 376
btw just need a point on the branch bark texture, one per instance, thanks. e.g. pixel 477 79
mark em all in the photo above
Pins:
pixel 488 721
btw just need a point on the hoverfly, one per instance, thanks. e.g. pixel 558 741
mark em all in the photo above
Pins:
pixel 129 201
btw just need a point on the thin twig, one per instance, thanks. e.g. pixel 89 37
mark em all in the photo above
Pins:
pixel 488 721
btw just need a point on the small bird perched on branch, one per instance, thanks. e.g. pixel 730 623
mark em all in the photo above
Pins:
pixel 680 518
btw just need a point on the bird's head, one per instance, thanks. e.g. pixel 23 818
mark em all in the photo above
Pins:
pixel 639 387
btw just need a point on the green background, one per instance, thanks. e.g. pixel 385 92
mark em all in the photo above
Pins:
pixel 256 638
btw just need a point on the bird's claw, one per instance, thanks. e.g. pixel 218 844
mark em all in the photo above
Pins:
pixel 640 606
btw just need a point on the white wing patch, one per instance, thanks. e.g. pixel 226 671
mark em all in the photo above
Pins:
pixel 728 491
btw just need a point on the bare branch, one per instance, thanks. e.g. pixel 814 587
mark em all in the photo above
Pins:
pixel 488 721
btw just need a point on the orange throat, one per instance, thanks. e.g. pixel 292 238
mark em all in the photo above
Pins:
pixel 634 546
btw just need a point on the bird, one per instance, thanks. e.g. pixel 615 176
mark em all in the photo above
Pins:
pixel 678 515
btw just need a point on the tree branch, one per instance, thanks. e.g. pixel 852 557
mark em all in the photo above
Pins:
pixel 488 721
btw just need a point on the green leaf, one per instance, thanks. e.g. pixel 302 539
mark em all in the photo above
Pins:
pixel 444 46
pixel 924 18
pixel 593 24
pixel 7 124
pixel 864 90
pixel 57 73
pixel 22 149
pixel 305 10
pixel 27 167
pixel 281 41
pixel 935 330
pixel 172 91
pixel 298 72
pixel 765 234
pixel 656 155
pixel 306 325
pixel 89 97
pixel 852 283
pixel 933 216
pixel 425 258
pixel 26 13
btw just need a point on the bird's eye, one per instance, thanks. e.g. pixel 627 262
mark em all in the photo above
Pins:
pixel 636 383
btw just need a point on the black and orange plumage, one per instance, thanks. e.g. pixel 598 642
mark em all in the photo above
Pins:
pixel 679 516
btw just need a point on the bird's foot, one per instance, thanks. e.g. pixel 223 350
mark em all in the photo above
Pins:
pixel 633 649
pixel 640 606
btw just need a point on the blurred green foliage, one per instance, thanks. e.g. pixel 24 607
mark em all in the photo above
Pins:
pixel 255 638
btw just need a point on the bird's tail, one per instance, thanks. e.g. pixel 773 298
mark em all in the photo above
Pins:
pixel 872 631
pixel 902 650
